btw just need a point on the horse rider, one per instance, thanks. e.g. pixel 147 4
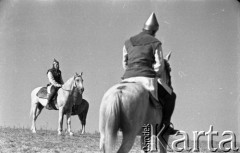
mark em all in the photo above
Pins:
pixel 143 62
pixel 55 78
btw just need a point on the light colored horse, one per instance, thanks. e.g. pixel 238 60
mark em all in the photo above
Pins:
pixel 126 107
pixel 64 102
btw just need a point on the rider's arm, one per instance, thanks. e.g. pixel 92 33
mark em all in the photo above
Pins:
pixel 61 80
pixel 52 81
pixel 159 61
pixel 125 58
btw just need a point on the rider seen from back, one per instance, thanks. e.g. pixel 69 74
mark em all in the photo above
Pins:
pixel 143 62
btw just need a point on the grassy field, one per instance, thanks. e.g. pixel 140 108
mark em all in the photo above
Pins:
pixel 21 140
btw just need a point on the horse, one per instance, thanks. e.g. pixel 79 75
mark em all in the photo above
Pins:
pixel 126 107
pixel 65 102
pixel 81 110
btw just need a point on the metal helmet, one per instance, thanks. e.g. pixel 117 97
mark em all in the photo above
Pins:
pixel 55 61
pixel 151 23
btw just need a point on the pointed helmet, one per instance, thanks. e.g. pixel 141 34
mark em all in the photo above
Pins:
pixel 55 61
pixel 151 23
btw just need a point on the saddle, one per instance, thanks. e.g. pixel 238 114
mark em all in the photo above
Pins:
pixel 43 93
pixel 155 103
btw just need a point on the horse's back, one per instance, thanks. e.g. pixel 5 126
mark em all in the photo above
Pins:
pixel 81 109
pixel 35 91
pixel 35 99
pixel 128 89
pixel 85 103
pixel 133 101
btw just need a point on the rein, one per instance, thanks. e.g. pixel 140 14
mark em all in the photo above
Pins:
pixel 69 90
pixel 66 89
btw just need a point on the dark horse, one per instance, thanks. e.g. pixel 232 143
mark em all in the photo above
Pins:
pixel 81 110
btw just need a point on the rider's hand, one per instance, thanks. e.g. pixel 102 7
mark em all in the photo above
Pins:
pixel 158 75
pixel 58 85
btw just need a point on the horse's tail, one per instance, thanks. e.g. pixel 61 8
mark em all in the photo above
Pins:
pixel 83 115
pixel 31 108
pixel 109 121
pixel 30 112
pixel 33 100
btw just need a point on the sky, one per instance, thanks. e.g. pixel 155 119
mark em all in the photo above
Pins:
pixel 88 37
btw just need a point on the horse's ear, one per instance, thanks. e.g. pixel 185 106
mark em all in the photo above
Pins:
pixel 76 74
pixel 168 56
pixel 81 73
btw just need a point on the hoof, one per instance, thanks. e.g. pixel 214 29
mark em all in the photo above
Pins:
pixel 33 131
pixel 66 132
pixel 71 133
pixel 59 133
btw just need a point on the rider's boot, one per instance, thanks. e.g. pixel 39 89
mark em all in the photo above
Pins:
pixel 168 108
pixel 50 96
pixel 167 113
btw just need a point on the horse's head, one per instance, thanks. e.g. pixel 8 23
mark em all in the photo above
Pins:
pixel 78 82
pixel 167 70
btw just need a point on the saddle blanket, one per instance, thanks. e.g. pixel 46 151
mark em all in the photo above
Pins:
pixel 154 101
pixel 148 83
pixel 43 93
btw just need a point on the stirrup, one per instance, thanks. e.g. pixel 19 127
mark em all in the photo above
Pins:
pixel 169 129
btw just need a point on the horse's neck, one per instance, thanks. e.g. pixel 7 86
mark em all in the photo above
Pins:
pixel 76 96
pixel 69 84
pixel 72 91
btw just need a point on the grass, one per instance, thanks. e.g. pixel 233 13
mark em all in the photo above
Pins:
pixel 21 140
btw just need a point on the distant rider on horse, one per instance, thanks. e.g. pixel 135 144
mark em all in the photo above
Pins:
pixel 143 62
pixel 55 78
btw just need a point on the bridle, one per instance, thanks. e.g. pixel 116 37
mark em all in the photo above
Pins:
pixel 74 86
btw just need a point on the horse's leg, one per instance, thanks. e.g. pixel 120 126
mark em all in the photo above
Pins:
pixel 163 145
pixel 83 129
pixel 127 141
pixel 82 119
pixel 34 109
pixel 66 126
pixel 39 110
pixel 69 124
pixel 102 125
pixel 60 121
pixel 36 113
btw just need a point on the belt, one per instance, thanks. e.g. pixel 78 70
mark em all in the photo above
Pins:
pixel 139 65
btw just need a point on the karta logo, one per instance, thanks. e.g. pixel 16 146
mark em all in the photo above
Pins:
pixel 150 139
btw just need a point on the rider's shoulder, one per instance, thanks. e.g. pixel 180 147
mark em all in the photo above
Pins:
pixel 50 70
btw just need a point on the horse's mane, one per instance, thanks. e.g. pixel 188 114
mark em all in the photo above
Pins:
pixel 168 70
pixel 68 82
